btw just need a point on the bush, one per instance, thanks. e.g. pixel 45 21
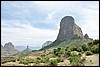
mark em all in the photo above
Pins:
pixel 79 49
pixel 38 61
pixel 85 47
pixel 53 62
pixel 30 61
pixel 96 41
pixel 74 48
pixel 13 60
pixel 38 58
pixel 23 62
pixel 80 54
pixel 46 59
pixel 58 51
pixel 59 60
pixel 75 60
pixel 66 48
pixel 95 49
pixel 89 53
pixel 68 52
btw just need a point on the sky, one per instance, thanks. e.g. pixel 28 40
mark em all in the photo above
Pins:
pixel 35 22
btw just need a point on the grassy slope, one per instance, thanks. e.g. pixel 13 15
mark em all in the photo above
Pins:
pixel 70 43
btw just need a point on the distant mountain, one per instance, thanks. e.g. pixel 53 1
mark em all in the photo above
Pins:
pixel 27 50
pixel 8 49
pixel 21 48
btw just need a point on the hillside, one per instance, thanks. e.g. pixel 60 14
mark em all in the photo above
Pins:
pixel 71 42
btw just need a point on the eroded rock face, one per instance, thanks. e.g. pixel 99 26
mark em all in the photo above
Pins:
pixel 9 45
pixel 46 43
pixel 68 29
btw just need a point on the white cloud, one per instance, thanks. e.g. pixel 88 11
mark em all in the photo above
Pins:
pixel 25 34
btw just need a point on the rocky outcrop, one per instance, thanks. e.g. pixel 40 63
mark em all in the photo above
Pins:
pixel 27 50
pixel 46 43
pixel 9 45
pixel 68 29
pixel 86 36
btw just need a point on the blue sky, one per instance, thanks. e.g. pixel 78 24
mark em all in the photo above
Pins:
pixel 34 22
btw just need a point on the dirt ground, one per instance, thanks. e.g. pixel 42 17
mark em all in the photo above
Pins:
pixel 92 60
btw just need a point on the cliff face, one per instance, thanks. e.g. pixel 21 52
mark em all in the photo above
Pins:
pixel 68 29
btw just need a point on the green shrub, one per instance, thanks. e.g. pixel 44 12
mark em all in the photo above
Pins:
pixel 80 54
pixel 53 62
pixel 74 48
pixel 30 61
pixel 75 60
pixel 95 49
pixel 38 61
pixel 38 58
pixel 46 59
pixel 79 49
pixel 96 41
pixel 89 53
pixel 59 60
pixel 13 60
pixel 58 51
pixel 23 62
pixel 66 48
pixel 85 47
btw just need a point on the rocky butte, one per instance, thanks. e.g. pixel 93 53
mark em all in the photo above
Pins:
pixel 68 29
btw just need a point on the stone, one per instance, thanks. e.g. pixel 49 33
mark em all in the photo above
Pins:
pixel 9 45
pixel 68 29
pixel 46 43
pixel 86 36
